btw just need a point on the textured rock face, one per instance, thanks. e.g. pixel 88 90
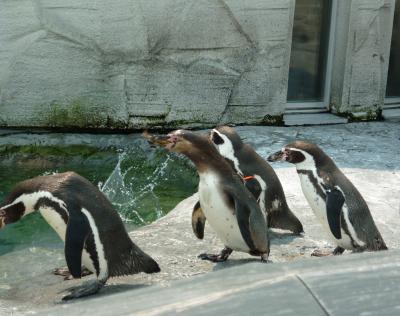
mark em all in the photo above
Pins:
pixel 130 64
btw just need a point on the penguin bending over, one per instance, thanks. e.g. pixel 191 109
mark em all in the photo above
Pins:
pixel 85 220
pixel 258 177
pixel 229 207
pixel 334 199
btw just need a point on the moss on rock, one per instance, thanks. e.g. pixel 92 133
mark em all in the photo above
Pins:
pixel 80 113
pixel 276 120
pixel 364 116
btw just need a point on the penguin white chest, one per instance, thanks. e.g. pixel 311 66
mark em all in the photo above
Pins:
pixel 219 215
pixel 54 219
pixel 318 205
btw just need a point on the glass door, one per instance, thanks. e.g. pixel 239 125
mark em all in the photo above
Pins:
pixel 393 80
pixel 309 59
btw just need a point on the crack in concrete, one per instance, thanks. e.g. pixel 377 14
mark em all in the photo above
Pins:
pixel 85 41
pixel 250 64
pixel 356 47
pixel 312 294
pixel 236 23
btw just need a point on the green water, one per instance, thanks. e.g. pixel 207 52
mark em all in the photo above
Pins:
pixel 142 184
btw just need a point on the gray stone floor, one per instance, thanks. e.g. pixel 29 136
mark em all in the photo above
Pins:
pixel 362 284
pixel 352 284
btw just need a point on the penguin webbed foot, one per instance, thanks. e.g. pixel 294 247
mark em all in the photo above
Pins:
pixel 338 251
pixel 319 253
pixel 264 258
pixel 88 288
pixel 64 272
pixel 221 257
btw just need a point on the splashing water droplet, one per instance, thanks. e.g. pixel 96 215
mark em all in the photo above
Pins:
pixel 127 193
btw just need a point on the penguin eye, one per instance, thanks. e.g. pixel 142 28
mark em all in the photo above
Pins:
pixel 217 140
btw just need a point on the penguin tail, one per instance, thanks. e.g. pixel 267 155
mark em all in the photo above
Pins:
pixel 133 260
pixel 285 219
pixel 150 265
pixel 142 262
pixel 379 244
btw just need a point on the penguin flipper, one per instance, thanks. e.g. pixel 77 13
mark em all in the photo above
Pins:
pixel 254 187
pixel 78 229
pixel 198 220
pixel 334 204
pixel 252 225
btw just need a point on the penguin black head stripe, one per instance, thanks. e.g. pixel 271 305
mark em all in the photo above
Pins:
pixel 223 134
pixel 11 215
pixel 301 152
pixel 21 202
pixel 228 143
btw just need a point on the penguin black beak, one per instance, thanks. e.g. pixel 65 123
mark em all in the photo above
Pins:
pixel 278 156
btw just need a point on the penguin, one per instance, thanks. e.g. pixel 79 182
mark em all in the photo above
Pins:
pixel 231 210
pixel 93 233
pixel 334 200
pixel 258 176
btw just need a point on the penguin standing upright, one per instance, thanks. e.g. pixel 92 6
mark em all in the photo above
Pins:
pixel 333 198
pixel 230 209
pixel 85 220
pixel 258 176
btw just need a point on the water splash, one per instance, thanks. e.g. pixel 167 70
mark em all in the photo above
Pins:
pixel 131 194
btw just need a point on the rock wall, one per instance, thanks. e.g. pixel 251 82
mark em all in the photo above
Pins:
pixel 143 63
pixel 361 56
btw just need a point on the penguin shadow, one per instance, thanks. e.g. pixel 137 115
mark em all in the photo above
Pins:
pixel 119 288
pixel 235 263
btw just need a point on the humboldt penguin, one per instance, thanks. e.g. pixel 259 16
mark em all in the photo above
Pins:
pixel 258 176
pixel 85 220
pixel 334 199
pixel 231 210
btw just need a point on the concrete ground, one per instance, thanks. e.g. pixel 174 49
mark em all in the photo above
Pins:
pixel 368 153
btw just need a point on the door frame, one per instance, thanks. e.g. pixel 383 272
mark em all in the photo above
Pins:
pixel 321 106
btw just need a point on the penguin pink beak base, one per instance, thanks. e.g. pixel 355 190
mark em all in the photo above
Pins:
pixel 169 141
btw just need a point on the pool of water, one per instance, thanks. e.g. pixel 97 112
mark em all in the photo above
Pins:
pixel 143 184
